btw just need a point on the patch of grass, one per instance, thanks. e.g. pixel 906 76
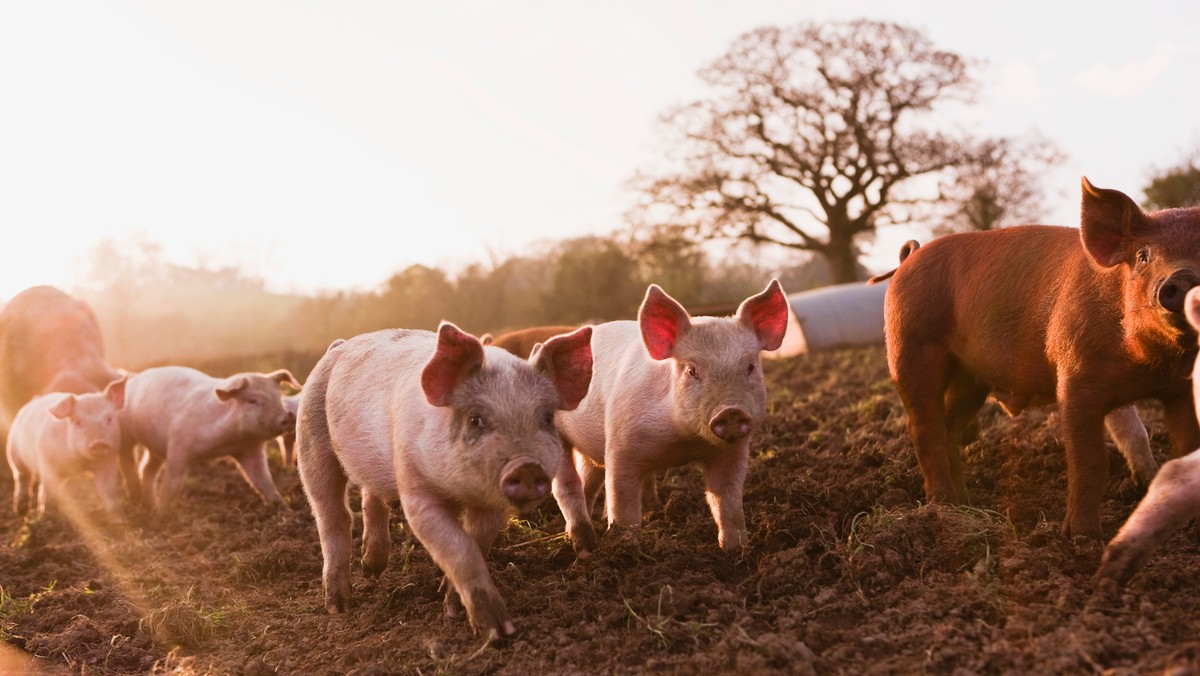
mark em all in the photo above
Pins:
pixel 13 608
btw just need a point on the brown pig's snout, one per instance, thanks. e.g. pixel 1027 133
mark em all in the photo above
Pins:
pixel 731 423
pixel 524 481
pixel 1174 288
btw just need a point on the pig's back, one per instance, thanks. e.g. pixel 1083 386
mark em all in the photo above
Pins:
pixel 157 397
pixel 366 375
pixel 28 426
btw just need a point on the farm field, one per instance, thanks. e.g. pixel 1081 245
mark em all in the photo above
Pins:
pixel 847 570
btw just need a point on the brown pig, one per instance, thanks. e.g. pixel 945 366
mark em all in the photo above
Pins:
pixel 49 342
pixel 461 433
pixel 1091 319
pixel 182 416
pixel 1172 500
pixel 670 390
pixel 521 341
pixel 57 436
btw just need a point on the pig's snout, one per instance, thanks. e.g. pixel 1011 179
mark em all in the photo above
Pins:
pixel 524 482
pixel 730 424
pixel 1174 288
pixel 287 421
pixel 98 449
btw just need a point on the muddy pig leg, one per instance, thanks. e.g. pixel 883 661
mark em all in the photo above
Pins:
pixel 377 534
pixel 1131 439
pixel 569 494
pixel 724 478
pixel 1087 461
pixel 458 555
pixel 1172 499
pixel 483 526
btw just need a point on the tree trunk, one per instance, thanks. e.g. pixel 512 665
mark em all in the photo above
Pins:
pixel 843 260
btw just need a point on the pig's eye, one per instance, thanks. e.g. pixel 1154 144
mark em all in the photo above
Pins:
pixel 253 401
pixel 691 371
pixel 750 370
pixel 475 421
pixel 1143 256
pixel 548 419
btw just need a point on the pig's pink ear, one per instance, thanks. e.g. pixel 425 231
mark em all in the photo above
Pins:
pixel 115 391
pixel 567 361
pixel 64 408
pixel 458 355
pixel 767 315
pixel 285 377
pixel 663 322
pixel 1108 222
pixel 1191 307
pixel 231 387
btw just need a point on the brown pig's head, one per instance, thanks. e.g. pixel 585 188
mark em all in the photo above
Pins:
pixel 503 446
pixel 93 430
pixel 257 403
pixel 1159 254
pixel 719 393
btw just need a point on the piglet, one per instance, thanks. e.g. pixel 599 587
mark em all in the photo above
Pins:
pixel 1090 319
pixel 182 416
pixel 57 436
pixel 1172 500
pixel 669 390
pixel 461 433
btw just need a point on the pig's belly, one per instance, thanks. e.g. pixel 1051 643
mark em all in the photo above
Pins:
pixel 367 461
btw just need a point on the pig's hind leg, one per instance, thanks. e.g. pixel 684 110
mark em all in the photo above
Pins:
pixel 963 398
pixel 1172 499
pixel 1131 439
pixel 920 375
pixel 377 534
pixel 325 485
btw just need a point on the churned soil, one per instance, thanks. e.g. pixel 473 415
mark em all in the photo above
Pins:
pixel 847 570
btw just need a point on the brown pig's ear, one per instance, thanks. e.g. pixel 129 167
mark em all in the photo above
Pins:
pixel 64 408
pixel 1108 222
pixel 566 360
pixel 458 355
pixel 767 315
pixel 663 321
pixel 1191 307
pixel 231 387
pixel 115 391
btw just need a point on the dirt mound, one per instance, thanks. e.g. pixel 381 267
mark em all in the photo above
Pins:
pixel 847 571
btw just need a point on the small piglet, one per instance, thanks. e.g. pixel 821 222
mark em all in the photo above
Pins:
pixel 57 436
pixel 182 416
pixel 1089 318
pixel 463 434
pixel 1172 500
pixel 668 390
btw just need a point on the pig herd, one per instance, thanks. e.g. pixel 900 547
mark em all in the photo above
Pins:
pixel 462 433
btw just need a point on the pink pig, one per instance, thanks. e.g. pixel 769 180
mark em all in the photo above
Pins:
pixel 57 436
pixel 669 390
pixel 463 434
pixel 182 416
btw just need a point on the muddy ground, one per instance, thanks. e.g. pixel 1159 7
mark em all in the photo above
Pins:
pixel 847 571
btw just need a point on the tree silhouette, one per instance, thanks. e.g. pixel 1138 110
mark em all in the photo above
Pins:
pixel 1177 186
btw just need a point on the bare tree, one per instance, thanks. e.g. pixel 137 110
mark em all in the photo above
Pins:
pixel 1177 186
pixel 1002 186
pixel 811 137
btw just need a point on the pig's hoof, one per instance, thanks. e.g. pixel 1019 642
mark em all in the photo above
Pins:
pixel 488 613
pixel 584 540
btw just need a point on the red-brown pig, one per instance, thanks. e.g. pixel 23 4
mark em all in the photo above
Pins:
pixel 1172 500
pixel 49 342
pixel 521 341
pixel 668 390
pixel 58 436
pixel 182 416
pixel 1091 319
pixel 463 434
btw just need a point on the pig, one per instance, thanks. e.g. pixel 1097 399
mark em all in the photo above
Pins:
pixel 287 440
pixel 181 416
pixel 521 341
pixel 1172 500
pixel 669 390
pixel 1089 319
pixel 461 433
pixel 60 435
pixel 49 342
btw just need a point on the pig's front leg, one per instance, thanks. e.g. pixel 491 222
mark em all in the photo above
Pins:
pixel 459 556
pixel 1173 499
pixel 171 484
pixel 127 461
pixel 483 525
pixel 1087 464
pixel 109 484
pixel 1180 416
pixel 253 463
pixel 568 492
pixel 1129 434
pixel 724 478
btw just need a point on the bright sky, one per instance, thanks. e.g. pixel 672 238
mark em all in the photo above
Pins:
pixel 327 145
